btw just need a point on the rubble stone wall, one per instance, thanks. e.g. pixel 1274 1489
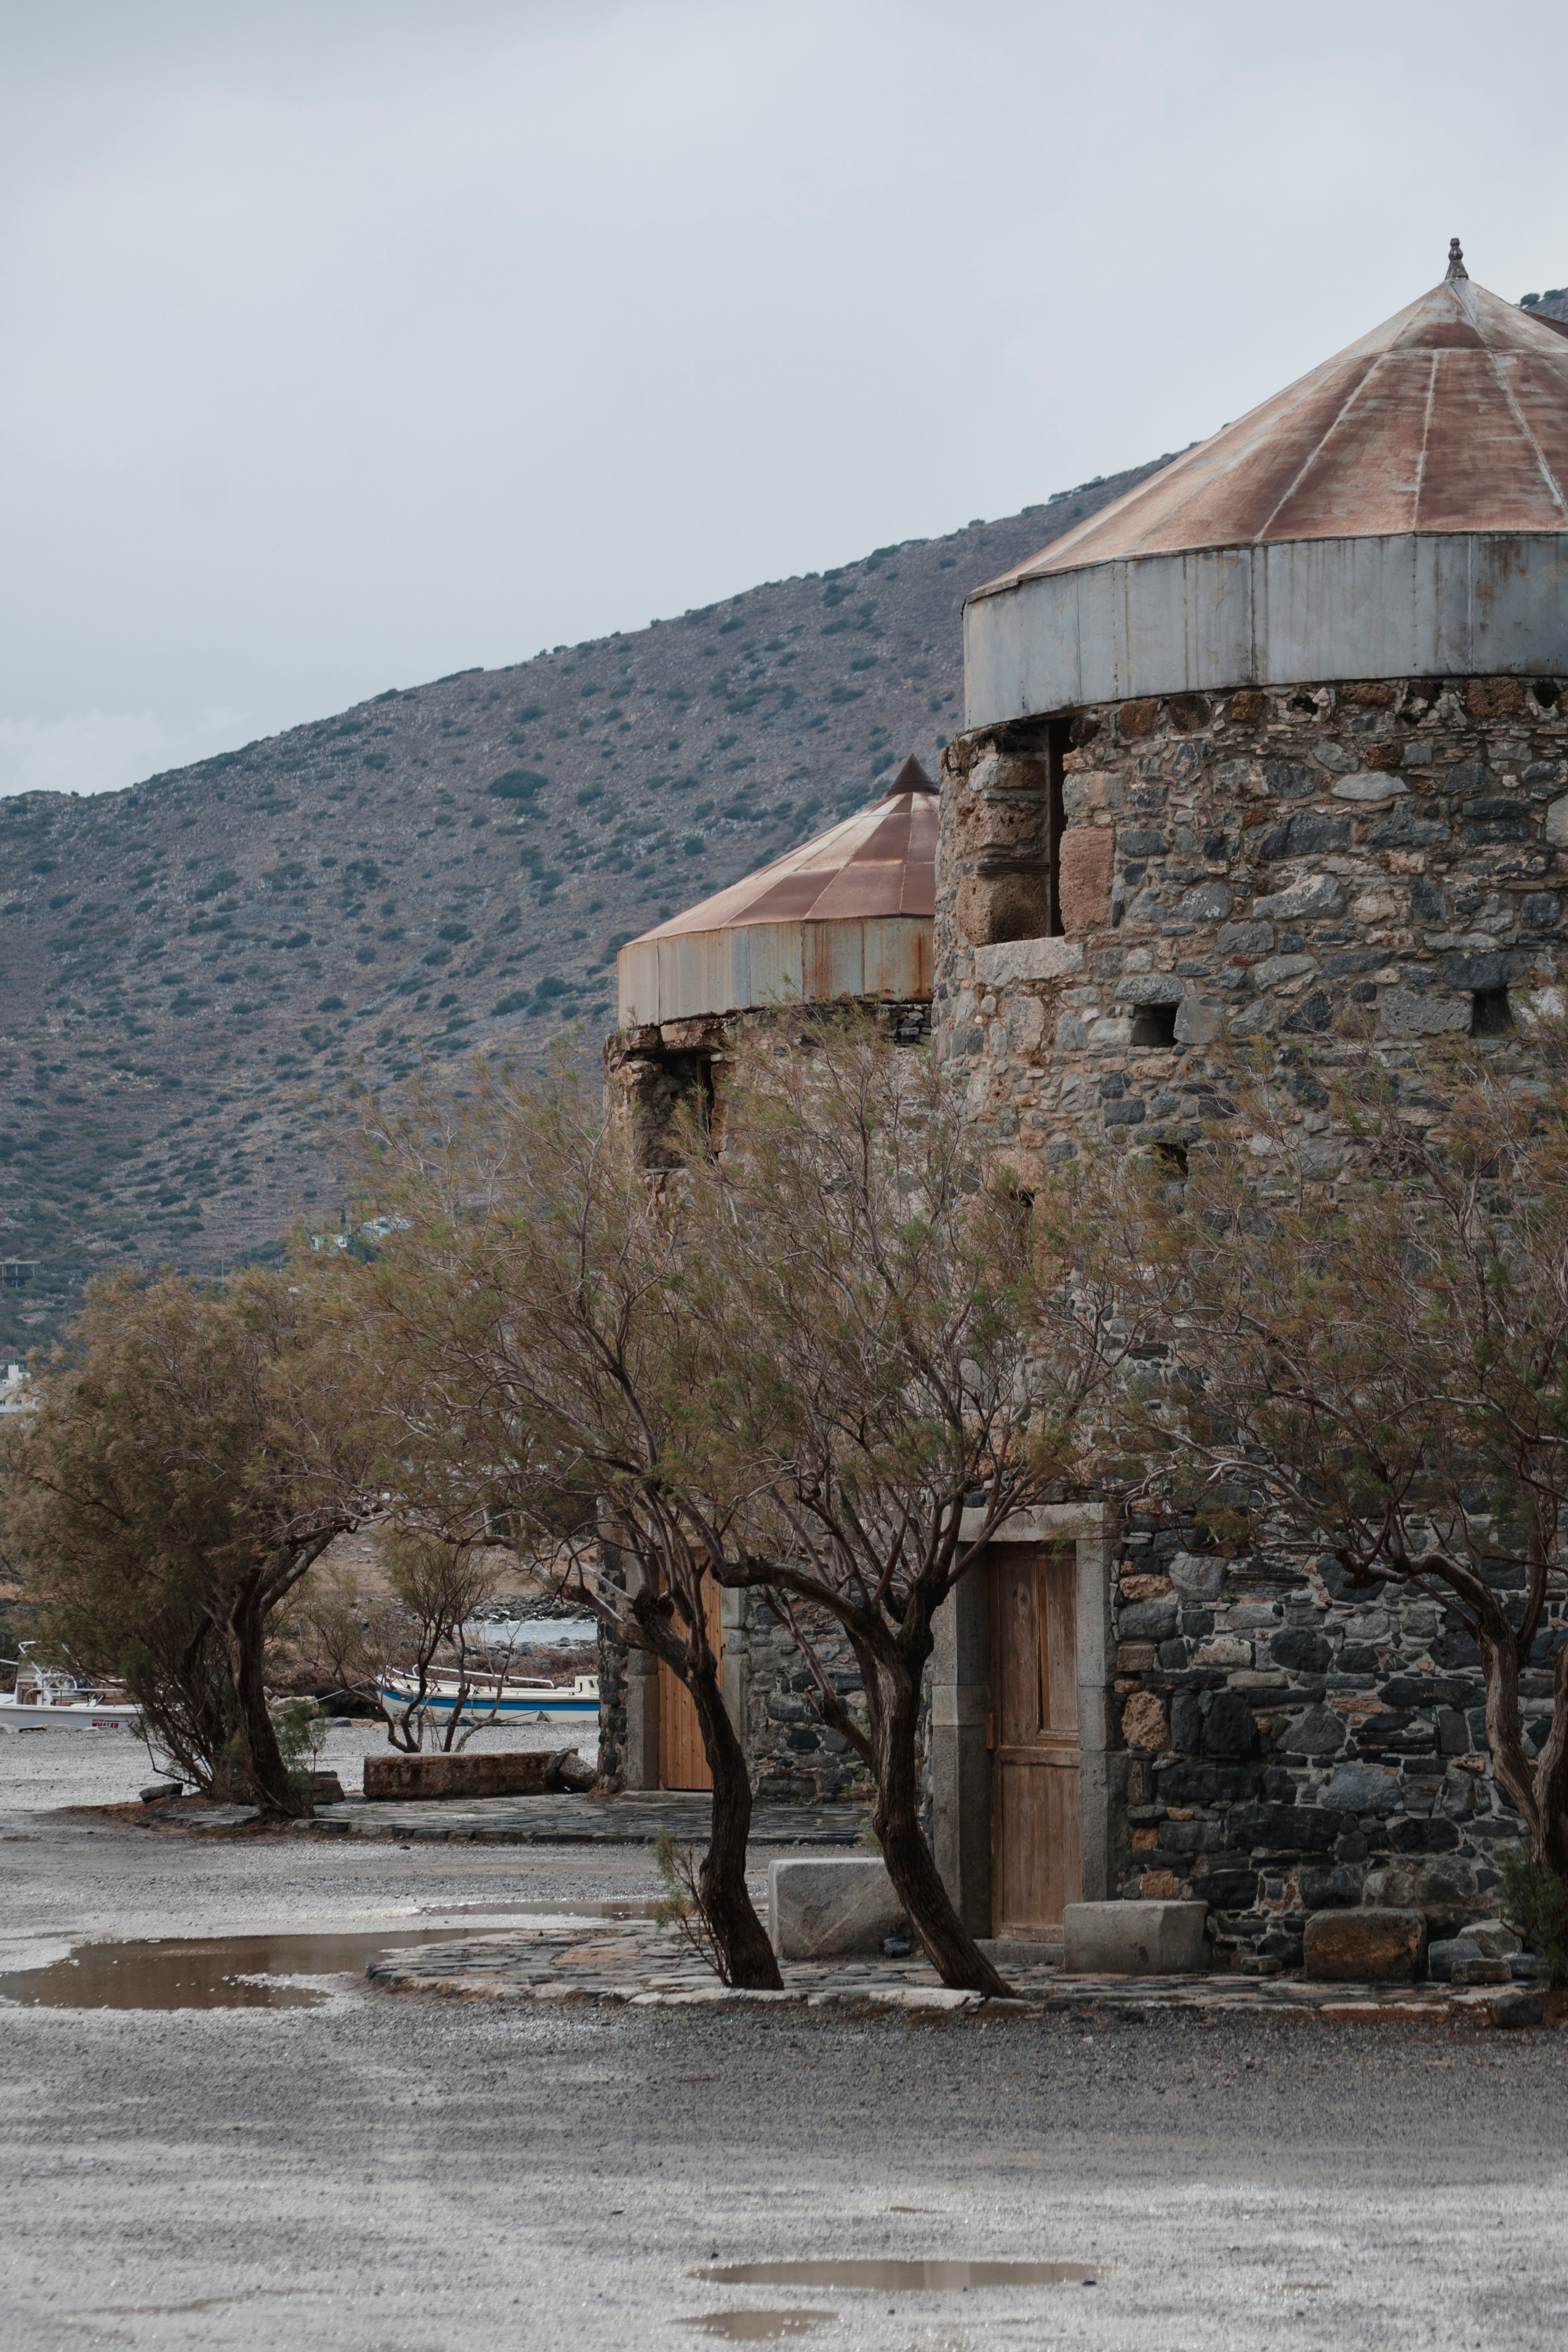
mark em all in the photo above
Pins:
pixel 1319 873
pixel 794 1757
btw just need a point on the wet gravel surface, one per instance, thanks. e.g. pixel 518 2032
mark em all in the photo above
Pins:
pixel 394 2174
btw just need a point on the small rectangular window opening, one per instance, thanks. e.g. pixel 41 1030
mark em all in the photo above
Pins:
pixel 1057 741
pixel 670 1082
pixel 1154 1024
pixel 1491 1015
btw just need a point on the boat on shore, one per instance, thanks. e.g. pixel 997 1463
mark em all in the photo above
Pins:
pixel 493 1699
pixel 45 1698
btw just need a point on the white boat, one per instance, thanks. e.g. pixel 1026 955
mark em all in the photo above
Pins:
pixel 490 1698
pixel 46 1699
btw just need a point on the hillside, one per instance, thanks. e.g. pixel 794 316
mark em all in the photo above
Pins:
pixel 442 869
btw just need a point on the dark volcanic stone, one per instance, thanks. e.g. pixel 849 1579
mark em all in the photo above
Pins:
pixel 1230 1727
pixel 1186 1723
pixel 1285 1829
pixel 1298 1647
pixel 1319 1732
pixel 1421 1836
pixel 1226 1890
pixel 1204 1784
pixel 1323 1889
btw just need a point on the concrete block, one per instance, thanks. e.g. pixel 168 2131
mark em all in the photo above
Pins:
pixel 1366 1947
pixel 832 1909
pixel 1134 1939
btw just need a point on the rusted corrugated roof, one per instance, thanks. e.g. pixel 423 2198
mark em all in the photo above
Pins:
pixel 1453 416
pixel 879 862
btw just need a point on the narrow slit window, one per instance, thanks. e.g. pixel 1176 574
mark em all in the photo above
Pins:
pixel 1492 1014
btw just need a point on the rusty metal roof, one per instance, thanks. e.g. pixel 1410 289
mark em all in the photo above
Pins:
pixel 878 862
pixel 1453 416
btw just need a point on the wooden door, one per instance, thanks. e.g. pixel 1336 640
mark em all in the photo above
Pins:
pixel 1034 1856
pixel 682 1760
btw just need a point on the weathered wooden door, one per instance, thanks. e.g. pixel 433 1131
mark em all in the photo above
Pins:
pixel 1034 1856
pixel 682 1760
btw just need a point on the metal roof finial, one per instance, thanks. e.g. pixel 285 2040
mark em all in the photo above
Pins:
pixel 1457 259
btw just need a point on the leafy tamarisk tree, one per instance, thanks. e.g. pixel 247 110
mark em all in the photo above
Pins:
pixel 900 1357
pixel 187 1462
pixel 537 1357
pixel 1375 1367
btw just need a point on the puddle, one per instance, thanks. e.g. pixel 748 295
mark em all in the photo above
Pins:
pixel 571 1914
pixel 910 2276
pixel 758 2326
pixel 206 1972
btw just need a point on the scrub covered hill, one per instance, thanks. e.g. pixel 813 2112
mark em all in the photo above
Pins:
pixel 442 869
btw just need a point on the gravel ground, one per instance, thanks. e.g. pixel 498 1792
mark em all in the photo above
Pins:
pixel 109 1767
pixel 395 2174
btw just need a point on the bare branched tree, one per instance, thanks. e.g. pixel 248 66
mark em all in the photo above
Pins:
pixel 539 1363
pixel 900 1359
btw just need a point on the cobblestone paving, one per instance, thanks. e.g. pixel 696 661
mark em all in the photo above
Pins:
pixel 646 1965
pixel 539 1821
pixel 586 1820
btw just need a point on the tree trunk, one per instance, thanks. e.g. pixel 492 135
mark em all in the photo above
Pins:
pixel 1552 1774
pixel 722 1882
pixel 270 1784
pixel 892 1692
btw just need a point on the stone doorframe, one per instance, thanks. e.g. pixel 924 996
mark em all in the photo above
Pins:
pixel 960 1702
pixel 639 1767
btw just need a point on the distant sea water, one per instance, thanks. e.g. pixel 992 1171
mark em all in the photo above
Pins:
pixel 521 1634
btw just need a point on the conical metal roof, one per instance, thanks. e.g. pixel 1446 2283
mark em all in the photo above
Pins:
pixel 849 913
pixel 1452 416
pixel 1400 511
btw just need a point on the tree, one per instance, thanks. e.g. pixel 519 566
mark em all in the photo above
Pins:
pixel 899 1359
pixel 537 1355
pixel 186 1463
pixel 439 1584
pixel 1374 1365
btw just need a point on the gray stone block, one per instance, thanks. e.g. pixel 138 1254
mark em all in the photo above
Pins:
pixel 1479 1972
pixel 834 1908
pixel 1146 1620
pixel 1134 1938
pixel 1360 1789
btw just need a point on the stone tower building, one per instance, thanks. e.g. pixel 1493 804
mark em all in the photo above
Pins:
pixel 1279 735
pixel 845 918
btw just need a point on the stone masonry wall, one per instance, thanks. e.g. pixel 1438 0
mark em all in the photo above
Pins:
pixel 1320 872
pixel 650 1070
pixel 794 1758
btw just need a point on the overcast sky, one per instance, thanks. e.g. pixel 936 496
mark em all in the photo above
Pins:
pixel 351 342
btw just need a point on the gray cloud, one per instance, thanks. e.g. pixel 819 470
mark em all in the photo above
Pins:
pixel 350 343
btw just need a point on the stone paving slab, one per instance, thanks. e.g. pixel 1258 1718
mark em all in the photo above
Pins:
pixel 563 1819
pixel 643 1966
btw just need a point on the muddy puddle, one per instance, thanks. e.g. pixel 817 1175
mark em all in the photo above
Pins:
pixel 910 2276
pixel 207 1972
pixel 758 2326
